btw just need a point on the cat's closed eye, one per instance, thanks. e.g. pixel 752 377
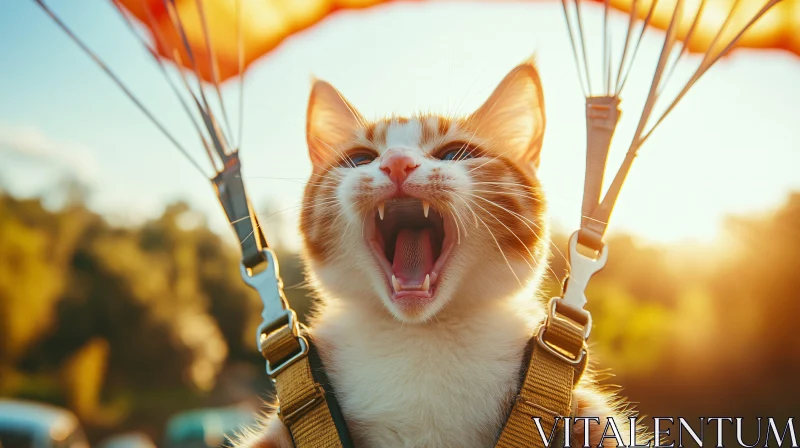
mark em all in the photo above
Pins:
pixel 457 151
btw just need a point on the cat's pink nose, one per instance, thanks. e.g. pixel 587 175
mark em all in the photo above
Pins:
pixel 398 164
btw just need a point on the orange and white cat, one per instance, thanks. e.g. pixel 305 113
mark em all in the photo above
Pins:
pixel 425 240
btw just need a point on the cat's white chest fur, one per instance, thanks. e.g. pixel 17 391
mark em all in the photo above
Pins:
pixel 444 384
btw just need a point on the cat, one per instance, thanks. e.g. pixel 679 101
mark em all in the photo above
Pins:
pixel 425 240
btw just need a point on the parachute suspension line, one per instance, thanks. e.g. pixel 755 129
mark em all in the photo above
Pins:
pixel 602 112
pixel 163 70
pixel 88 51
pixel 176 58
pixel 602 117
pixel 708 61
pixel 606 50
pixel 631 21
pixel 574 46
pixel 240 57
pixel 684 48
pixel 160 41
pixel 214 66
pixel 636 46
pixel 583 44
pixel 652 96
pixel 217 136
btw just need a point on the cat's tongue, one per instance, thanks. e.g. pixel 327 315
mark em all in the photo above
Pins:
pixel 413 256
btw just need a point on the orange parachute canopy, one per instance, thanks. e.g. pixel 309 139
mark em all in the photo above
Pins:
pixel 263 24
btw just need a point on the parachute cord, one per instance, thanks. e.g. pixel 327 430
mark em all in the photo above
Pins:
pixel 220 144
pixel 583 44
pixel 685 46
pixel 163 70
pixel 214 68
pixel 240 56
pixel 118 82
pixel 606 50
pixel 621 85
pixel 570 32
pixel 707 63
pixel 666 50
pixel 631 18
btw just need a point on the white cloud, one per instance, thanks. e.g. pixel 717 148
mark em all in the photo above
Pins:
pixel 31 144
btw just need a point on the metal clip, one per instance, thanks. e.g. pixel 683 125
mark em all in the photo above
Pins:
pixel 276 312
pixel 233 197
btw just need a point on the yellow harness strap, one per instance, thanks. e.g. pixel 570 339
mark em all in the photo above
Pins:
pixel 303 408
pixel 557 361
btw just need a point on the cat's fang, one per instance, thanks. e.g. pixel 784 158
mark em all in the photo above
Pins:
pixel 396 284
pixel 426 285
pixel 425 207
pixel 381 208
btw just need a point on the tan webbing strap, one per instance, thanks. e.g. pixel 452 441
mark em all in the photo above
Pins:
pixel 557 361
pixel 303 408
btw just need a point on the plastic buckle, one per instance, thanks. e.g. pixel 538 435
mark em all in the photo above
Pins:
pixel 582 268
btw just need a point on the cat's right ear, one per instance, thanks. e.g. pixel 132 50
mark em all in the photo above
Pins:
pixel 330 123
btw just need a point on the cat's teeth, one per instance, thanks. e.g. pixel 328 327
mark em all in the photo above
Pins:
pixel 425 207
pixel 396 284
pixel 426 285
pixel 381 208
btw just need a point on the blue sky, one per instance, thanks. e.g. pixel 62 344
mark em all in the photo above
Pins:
pixel 731 147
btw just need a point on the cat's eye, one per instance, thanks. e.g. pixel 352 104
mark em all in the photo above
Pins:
pixel 358 158
pixel 457 151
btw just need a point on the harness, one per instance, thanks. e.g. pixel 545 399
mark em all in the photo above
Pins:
pixel 557 353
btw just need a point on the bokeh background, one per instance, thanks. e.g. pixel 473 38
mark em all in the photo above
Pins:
pixel 120 295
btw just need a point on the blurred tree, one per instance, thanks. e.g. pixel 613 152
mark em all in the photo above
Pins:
pixel 758 291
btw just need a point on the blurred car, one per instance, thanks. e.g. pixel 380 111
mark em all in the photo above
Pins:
pixel 128 440
pixel 206 428
pixel 26 424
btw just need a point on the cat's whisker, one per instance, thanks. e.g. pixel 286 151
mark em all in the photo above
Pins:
pixel 456 218
pixel 572 200
pixel 363 226
pixel 350 222
pixel 497 243
pixel 261 215
pixel 512 193
pixel 566 260
pixel 504 184
pixel 523 219
pixel 454 214
pixel 298 207
pixel 532 256
pixel 474 215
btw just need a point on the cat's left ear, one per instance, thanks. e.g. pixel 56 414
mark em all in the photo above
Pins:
pixel 331 122
pixel 513 117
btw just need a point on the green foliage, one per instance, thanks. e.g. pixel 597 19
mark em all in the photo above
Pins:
pixel 114 321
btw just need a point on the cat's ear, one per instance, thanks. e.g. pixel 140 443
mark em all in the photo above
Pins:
pixel 513 117
pixel 331 121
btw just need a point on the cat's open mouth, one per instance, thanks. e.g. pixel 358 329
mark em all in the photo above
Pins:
pixel 412 241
